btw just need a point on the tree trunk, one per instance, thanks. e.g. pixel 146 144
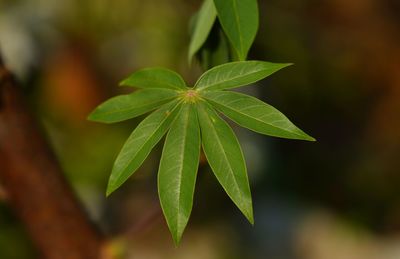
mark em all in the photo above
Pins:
pixel 35 186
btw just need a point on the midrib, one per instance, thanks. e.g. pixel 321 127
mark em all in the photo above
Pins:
pixel 225 156
pixel 144 143
pixel 182 157
pixel 256 119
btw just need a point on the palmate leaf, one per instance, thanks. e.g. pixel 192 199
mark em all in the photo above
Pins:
pixel 203 25
pixel 178 170
pixel 155 77
pixel 139 144
pixel 255 115
pixel 128 106
pixel 189 116
pixel 236 74
pixel 225 158
pixel 239 18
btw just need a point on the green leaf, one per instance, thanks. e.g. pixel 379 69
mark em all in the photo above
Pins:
pixel 236 74
pixel 128 106
pixel 178 170
pixel 216 50
pixel 204 23
pixel 139 144
pixel 225 157
pixel 255 115
pixel 239 18
pixel 155 78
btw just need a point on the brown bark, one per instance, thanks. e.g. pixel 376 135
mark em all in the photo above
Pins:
pixel 35 186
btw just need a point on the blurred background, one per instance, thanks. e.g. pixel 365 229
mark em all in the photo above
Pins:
pixel 335 198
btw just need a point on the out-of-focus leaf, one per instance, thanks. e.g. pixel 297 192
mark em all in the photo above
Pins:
pixel 225 157
pixel 204 23
pixel 155 78
pixel 128 106
pixel 239 18
pixel 139 144
pixel 178 170
pixel 216 50
pixel 255 115
pixel 236 74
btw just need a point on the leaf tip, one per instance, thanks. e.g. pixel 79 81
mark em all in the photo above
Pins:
pixel 250 217
pixel 94 116
pixel 110 189
pixel 97 117
pixel 91 116
pixel 176 232
pixel 176 236
pixel 252 222
pixel 301 135
pixel 247 211
pixel 123 83
pixel 108 194
pixel 311 139
pixel 177 240
pixel 283 65
pixel 307 137
pixel 129 81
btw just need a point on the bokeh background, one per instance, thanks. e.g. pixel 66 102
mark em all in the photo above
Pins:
pixel 335 198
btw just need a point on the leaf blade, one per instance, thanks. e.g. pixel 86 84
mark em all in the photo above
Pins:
pixel 155 77
pixel 225 158
pixel 204 23
pixel 236 74
pixel 129 106
pixel 255 115
pixel 239 19
pixel 178 170
pixel 139 144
